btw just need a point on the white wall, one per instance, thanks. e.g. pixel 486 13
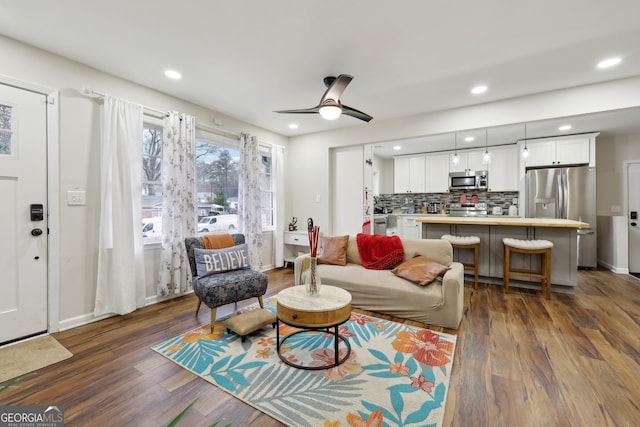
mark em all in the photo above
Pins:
pixel 78 161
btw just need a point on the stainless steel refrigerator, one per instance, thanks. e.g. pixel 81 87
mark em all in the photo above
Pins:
pixel 568 193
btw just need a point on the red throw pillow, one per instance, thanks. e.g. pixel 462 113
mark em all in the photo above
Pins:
pixel 379 252
pixel 420 270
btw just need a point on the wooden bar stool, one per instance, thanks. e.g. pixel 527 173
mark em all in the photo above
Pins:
pixel 532 247
pixel 467 242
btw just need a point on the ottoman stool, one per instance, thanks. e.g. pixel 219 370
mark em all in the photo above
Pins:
pixel 250 321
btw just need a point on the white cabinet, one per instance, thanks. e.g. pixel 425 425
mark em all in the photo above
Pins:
pixel 469 160
pixel 411 229
pixel 295 242
pixel 409 174
pixel 503 169
pixel 437 173
pixel 558 152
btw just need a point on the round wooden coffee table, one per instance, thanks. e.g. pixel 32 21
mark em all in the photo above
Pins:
pixel 327 310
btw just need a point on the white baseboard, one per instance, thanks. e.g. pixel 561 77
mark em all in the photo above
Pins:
pixel 85 319
pixel 613 268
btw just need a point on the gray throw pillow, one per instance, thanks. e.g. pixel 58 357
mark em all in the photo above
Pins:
pixel 214 261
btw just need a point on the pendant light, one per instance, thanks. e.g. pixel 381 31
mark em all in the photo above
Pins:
pixel 455 159
pixel 486 156
pixel 525 151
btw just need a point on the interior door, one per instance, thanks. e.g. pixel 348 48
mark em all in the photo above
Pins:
pixel 633 178
pixel 23 213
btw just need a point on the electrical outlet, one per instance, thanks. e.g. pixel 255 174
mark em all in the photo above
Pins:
pixel 76 198
pixel 616 209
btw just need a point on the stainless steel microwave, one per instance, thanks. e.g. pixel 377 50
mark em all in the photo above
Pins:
pixel 468 180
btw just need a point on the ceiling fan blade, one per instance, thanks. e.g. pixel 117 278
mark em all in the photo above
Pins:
pixel 337 87
pixel 301 111
pixel 355 113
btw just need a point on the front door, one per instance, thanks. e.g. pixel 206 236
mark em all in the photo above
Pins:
pixel 23 213
pixel 633 178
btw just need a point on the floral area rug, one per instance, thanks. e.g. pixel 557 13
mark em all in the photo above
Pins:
pixel 396 375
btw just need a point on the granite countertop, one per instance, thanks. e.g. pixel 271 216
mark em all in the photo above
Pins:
pixel 503 220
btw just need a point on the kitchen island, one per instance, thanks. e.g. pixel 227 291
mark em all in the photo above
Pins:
pixel 492 229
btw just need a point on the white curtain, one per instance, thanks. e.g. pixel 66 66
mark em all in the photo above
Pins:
pixel 249 212
pixel 121 279
pixel 178 202
pixel 278 172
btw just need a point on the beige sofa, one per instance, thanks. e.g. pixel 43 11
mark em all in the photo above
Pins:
pixel 439 303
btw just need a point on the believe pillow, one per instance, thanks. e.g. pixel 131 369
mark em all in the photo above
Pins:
pixel 333 250
pixel 214 261
pixel 420 270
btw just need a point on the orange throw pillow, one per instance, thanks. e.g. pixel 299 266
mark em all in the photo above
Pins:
pixel 420 270
pixel 333 250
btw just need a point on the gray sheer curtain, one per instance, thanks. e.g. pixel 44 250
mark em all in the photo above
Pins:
pixel 178 202
pixel 121 279
pixel 249 206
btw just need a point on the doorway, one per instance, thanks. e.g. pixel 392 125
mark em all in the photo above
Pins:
pixel 633 212
pixel 346 191
pixel 23 213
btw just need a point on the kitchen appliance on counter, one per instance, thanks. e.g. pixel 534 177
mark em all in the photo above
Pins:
pixel 567 193
pixel 433 208
pixel 470 180
pixel 380 224
pixel 468 209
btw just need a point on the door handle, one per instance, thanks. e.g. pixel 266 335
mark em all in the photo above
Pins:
pixel 36 232
pixel 633 224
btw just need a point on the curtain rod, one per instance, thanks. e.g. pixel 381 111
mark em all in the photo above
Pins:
pixel 217 131
pixel 91 92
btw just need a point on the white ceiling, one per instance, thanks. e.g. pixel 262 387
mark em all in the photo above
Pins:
pixel 248 58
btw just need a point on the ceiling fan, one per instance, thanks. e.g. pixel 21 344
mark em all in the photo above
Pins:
pixel 330 106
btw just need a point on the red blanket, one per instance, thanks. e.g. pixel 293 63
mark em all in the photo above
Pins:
pixel 379 252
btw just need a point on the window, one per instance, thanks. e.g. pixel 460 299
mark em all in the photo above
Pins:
pixel 217 166
pixel 266 188
pixel 6 133
pixel 152 180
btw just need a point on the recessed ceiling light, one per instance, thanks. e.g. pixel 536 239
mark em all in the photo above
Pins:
pixel 479 89
pixel 173 74
pixel 397 147
pixel 293 126
pixel 469 139
pixel 564 127
pixel 609 62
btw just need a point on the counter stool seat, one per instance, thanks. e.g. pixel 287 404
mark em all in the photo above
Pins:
pixel 531 247
pixel 467 242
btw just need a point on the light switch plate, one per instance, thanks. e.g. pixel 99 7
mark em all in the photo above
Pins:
pixel 76 198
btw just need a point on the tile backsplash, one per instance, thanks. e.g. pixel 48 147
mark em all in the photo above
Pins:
pixel 398 201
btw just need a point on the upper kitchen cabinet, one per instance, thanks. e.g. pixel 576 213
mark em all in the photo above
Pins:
pixel 469 160
pixel 573 150
pixel 503 169
pixel 437 173
pixel 409 174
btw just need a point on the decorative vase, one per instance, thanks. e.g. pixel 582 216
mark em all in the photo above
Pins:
pixel 311 278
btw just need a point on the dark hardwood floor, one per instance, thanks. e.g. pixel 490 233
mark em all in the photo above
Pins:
pixel 520 360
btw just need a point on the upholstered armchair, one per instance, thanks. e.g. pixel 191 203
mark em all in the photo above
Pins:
pixel 222 276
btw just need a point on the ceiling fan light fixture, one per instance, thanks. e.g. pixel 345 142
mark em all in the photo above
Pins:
pixel 330 112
